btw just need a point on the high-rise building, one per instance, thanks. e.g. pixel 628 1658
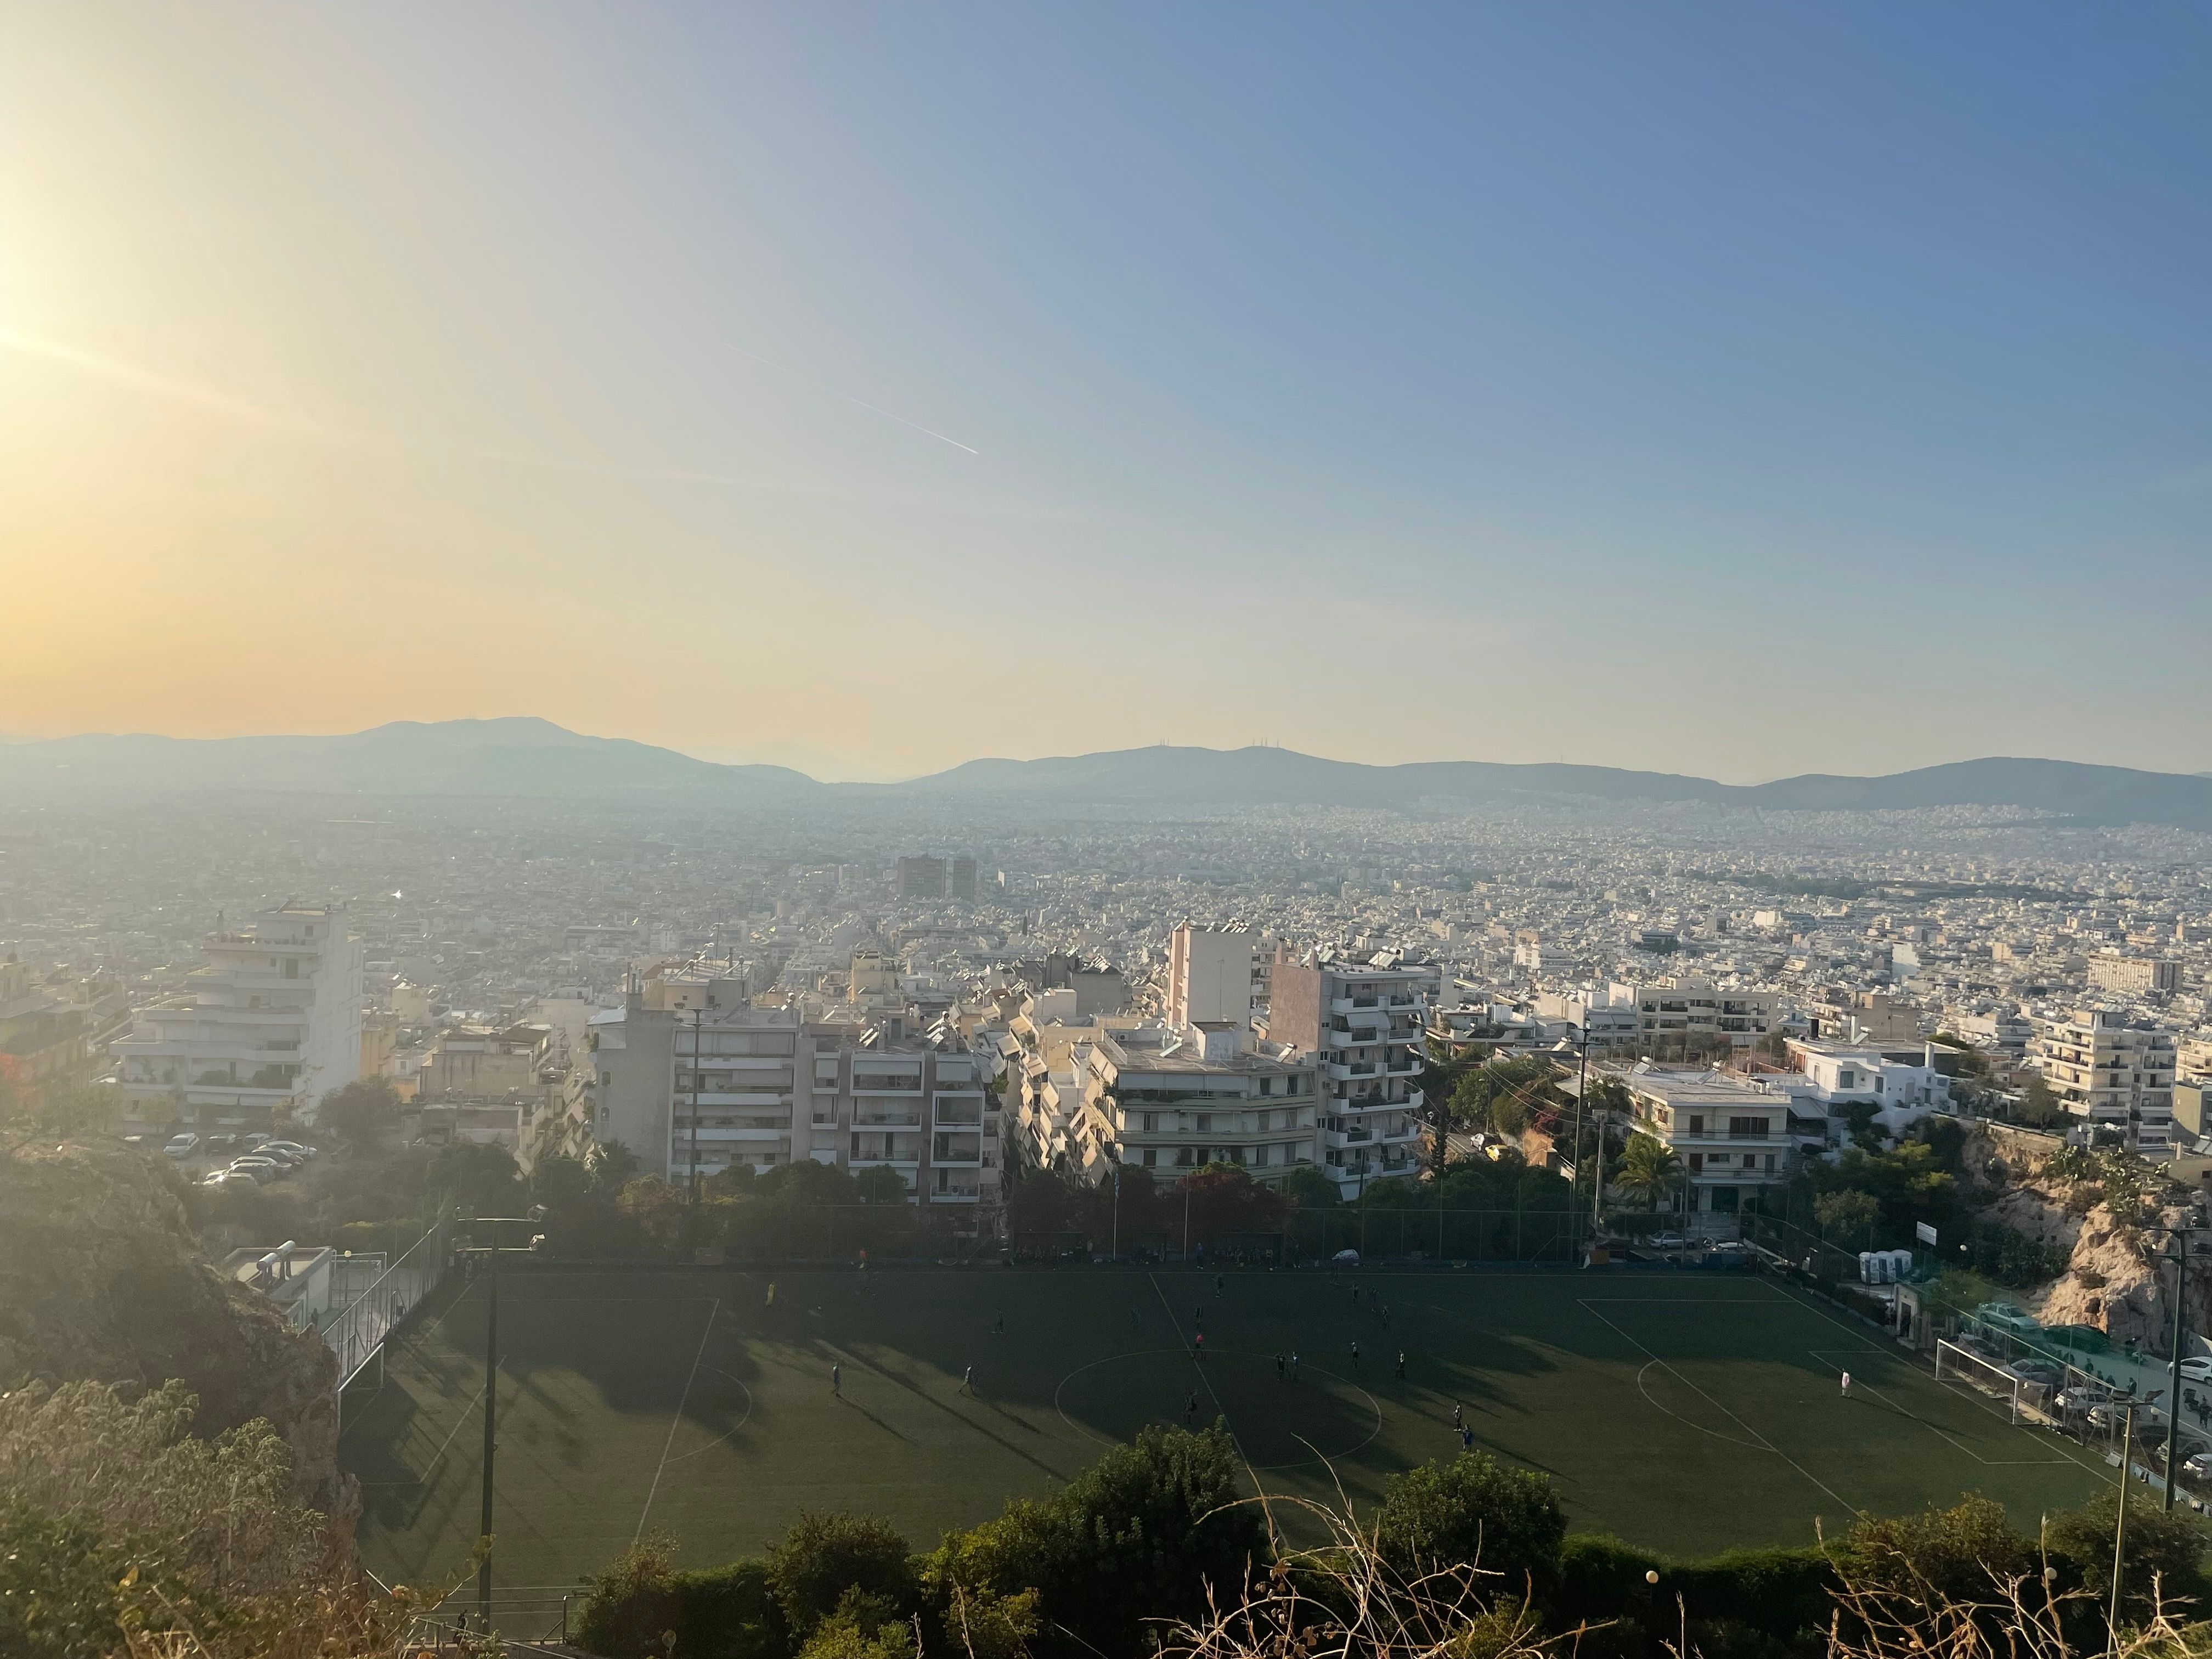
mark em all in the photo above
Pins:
pixel 923 878
pixel 272 1021
pixel 1363 1025
pixel 961 883
pixel 1210 975
pixel 2116 1072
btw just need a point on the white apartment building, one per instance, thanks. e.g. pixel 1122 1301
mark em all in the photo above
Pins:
pixel 1604 1019
pixel 1213 976
pixel 690 1077
pixel 1362 1025
pixel 273 1020
pixel 2133 975
pixel 1734 1137
pixel 1173 1102
pixel 1672 1010
pixel 2112 1071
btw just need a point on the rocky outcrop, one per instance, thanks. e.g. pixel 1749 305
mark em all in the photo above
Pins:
pixel 2113 1279
pixel 101 1279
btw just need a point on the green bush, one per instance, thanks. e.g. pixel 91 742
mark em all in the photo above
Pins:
pixel 1474 1510
pixel 1139 1537
pixel 824 1556
pixel 717 1612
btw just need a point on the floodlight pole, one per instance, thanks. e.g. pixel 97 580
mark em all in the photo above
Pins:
pixel 491 1398
pixel 491 1441
pixel 2181 1236
pixel 2120 1522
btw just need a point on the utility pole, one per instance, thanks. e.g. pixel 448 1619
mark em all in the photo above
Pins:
pixel 2120 1524
pixel 490 1436
pixel 1115 1252
pixel 491 1251
pixel 2181 1236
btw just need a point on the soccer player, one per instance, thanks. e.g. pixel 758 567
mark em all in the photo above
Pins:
pixel 837 1381
pixel 1466 1439
pixel 1294 1364
pixel 1401 1365
pixel 968 1381
pixel 1458 1422
pixel 1355 1351
pixel 1198 1346
pixel 1000 1329
pixel 1847 1385
pixel 1190 1410
pixel 771 1294
pixel 1279 1372
pixel 1220 1284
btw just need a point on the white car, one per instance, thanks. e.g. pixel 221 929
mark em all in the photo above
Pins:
pixel 1666 1241
pixel 2198 1369
pixel 228 1178
pixel 263 1169
pixel 1345 1258
pixel 182 1145
pixel 291 1149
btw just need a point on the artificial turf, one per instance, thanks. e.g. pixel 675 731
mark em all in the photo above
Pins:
pixel 1687 1412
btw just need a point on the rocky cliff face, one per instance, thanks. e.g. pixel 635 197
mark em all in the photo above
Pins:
pixel 100 1279
pixel 2112 1280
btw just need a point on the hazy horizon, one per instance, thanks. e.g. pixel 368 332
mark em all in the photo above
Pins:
pixel 1736 394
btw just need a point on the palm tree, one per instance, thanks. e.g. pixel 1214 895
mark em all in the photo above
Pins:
pixel 1649 1167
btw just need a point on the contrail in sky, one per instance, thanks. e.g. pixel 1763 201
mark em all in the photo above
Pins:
pixel 214 400
pixel 165 387
pixel 848 396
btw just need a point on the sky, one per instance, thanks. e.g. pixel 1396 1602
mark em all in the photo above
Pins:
pixel 1737 390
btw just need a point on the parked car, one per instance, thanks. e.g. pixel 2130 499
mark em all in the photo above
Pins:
pixel 2196 1369
pixel 1666 1241
pixel 264 1170
pixel 2198 1466
pixel 250 1141
pixel 182 1145
pixel 216 1144
pixel 291 1148
pixel 227 1178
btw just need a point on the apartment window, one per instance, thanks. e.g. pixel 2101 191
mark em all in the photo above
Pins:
pixel 1697 1123
pixel 1152 1157
pixel 606 1079
pixel 1267 1085
pixel 1747 1128
pixel 1151 1121
pixel 1697 1162
pixel 1205 1121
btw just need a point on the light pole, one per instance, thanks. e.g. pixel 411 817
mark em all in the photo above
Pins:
pixel 2120 1522
pixel 491 1253
pixel 2180 1236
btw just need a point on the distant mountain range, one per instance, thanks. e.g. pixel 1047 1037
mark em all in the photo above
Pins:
pixel 534 757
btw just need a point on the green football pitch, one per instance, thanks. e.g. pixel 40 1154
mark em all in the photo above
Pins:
pixel 1688 1412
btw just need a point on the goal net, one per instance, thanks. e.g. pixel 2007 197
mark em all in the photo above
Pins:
pixel 2023 1400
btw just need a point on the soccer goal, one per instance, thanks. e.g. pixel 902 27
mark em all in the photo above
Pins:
pixel 2025 1401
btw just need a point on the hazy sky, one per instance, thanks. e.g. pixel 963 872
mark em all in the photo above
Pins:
pixel 1737 390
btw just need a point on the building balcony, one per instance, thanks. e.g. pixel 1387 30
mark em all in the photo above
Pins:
pixel 957 1196
pixel 901 1164
pixel 880 1117
pixel 734 1097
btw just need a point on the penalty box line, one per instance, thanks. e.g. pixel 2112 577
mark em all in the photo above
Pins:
pixel 1761 1439
pixel 1799 1301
